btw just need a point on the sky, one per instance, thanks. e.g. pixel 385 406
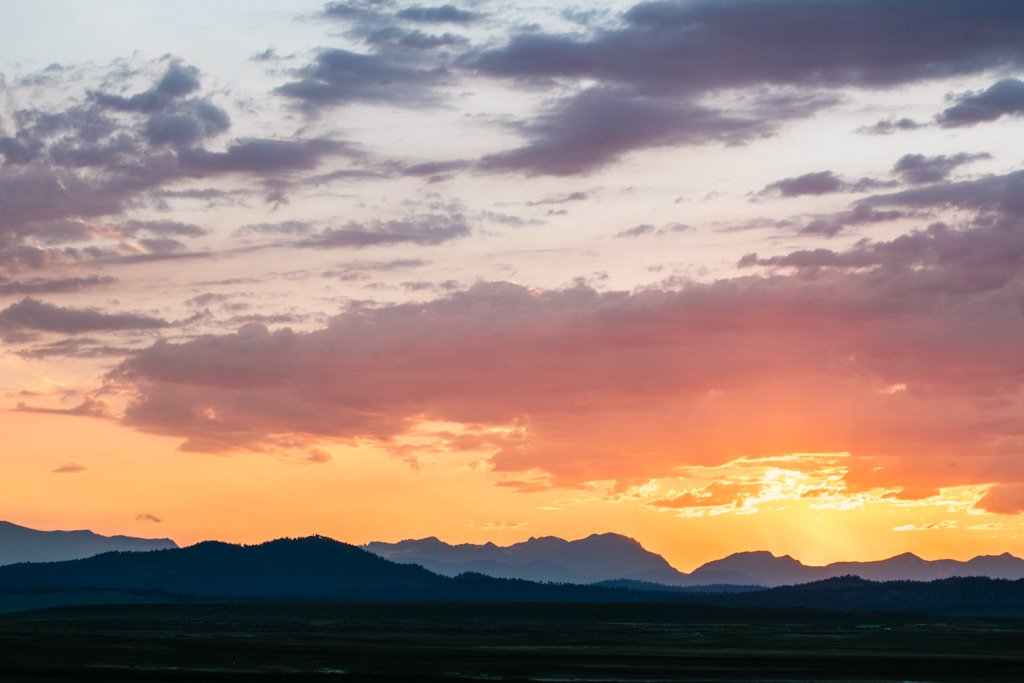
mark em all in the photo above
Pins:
pixel 718 275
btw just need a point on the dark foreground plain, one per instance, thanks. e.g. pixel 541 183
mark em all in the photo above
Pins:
pixel 512 642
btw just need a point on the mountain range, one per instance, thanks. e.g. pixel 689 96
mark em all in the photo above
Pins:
pixel 608 557
pixel 21 544
pixel 318 569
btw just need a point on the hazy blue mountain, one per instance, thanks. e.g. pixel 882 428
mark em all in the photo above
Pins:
pixel 599 557
pixel 765 569
pixel 757 567
pixel 21 544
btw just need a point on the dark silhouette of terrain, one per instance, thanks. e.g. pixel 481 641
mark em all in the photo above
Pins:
pixel 318 569
pixel 21 544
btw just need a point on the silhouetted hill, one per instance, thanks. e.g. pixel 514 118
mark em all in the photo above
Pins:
pixel 598 557
pixel 313 568
pixel 21 544
pixel 318 569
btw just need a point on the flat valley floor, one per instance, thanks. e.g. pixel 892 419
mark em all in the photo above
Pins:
pixel 519 642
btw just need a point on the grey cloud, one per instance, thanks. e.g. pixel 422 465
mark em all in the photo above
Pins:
pixel 919 169
pixel 424 230
pixel 394 37
pixel 74 162
pixel 281 228
pixel 707 44
pixel 432 168
pixel 53 286
pixel 179 80
pixel 162 245
pixel 968 260
pixel 860 214
pixel 89 407
pixel 1004 98
pixel 888 126
pixel 561 199
pixel 822 182
pixel 443 14
pixel 37 315
pixel 186 124
pixel 361 270
pixel 1003 194
pixel 645 229
pixel 353 9
pixel 597 126
pixel 261 156
pixel 637 230
pixel 74 347
pixel 339 77
pixel 161 228
pixel 666 55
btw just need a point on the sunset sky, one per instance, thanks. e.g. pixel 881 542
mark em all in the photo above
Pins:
pixel 719 275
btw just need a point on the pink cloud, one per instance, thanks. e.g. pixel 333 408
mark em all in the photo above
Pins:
pixel 908 360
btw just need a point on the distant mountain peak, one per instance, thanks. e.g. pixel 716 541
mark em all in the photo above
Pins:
pixel 23 544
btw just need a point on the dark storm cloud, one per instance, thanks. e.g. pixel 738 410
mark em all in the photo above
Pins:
pixel 422 230
pixel 1004 98
pixel 597 126
pixel 918 169
pixel 443 14
pixel 53 286
pixel 339 77
pixel 37 315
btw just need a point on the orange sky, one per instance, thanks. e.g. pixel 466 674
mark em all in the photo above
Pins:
pixel 716 276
